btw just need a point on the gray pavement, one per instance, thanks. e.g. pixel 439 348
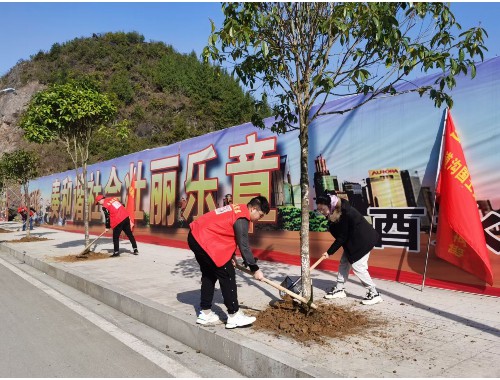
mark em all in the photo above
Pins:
pixel 434 333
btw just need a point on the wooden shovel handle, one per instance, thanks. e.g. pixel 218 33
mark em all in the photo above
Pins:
pixel 318 262
pixel 93 241
pixel 277 286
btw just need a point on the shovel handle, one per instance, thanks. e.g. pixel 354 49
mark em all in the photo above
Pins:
pixel 279 287
pixel 93 241
pixel 318 262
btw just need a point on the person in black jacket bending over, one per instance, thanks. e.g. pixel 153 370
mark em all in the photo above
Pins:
pixel 353 233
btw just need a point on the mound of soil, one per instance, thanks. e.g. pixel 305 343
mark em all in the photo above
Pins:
pixel 4 231
pixel 28 239
pixel 77 257
pixel 328 321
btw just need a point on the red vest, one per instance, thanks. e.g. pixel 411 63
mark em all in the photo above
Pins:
pixel 214 231
pixel 117 213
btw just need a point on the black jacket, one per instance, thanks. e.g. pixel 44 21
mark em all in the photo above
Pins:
pixel 353 233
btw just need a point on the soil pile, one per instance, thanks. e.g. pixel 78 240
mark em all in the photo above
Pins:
pixel 77 257
pixel 4 231
pixel 28 239
pixel 328 321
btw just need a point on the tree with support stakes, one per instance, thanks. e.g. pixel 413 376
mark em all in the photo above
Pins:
pixel 71 113
pixel 304 54
pixel 20 166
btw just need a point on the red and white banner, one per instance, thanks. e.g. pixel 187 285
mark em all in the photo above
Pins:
pixel 460 235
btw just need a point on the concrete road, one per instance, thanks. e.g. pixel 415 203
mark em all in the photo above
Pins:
pixel 44 333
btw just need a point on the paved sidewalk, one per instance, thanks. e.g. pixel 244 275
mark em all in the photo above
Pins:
pixel 434 333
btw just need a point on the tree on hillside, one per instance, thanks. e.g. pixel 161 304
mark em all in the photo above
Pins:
pixel 21 167
pixel 307 53
pixel 3 186
pixel 71 113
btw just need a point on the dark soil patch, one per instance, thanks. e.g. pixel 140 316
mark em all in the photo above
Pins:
pixel 78 258
pixel 28 239
pixel 328 321
pixel 4 231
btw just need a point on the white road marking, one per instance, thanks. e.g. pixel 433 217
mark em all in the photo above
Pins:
pixel 169 365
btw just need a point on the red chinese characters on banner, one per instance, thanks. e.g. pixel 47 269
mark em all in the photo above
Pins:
pixel 460 235
pixel 135 171
pixel 66 197
pixel 55 199
pixel 252 171
pixel 113 187
pixel 200 189
pixel 164 172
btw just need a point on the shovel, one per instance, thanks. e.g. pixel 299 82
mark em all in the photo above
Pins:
pixel 280 288
pixel 292 285
pixel 90 244
pixel 19 229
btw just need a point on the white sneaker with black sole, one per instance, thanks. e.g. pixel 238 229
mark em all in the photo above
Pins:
pixel 239 319
pixel 371 298
pixel 335 293
pixel 205 319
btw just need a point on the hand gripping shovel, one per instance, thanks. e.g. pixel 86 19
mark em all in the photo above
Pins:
pixel 294 286
pixel 279 287
pixel 90 244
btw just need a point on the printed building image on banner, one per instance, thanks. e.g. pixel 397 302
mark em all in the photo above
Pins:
pixel 382 158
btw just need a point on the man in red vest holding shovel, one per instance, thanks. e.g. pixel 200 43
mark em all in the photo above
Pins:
pixel 213 239
pixel 118 219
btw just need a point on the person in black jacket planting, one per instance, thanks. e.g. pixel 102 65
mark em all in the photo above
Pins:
pixel 357 237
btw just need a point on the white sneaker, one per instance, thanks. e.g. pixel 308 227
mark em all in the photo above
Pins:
pixel 372 297
pixel 335 293
pixel 239 319
pixel 204 319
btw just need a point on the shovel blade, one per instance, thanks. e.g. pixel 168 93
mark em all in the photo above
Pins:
pixel 291 285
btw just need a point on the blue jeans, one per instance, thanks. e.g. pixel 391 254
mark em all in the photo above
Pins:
pixel 31 224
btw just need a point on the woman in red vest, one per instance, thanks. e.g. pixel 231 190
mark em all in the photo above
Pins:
pixel 213 239
pixel 118 219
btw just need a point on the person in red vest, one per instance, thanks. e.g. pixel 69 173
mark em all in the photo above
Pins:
pixel 213 238
pixel 23 211
pixel 117 218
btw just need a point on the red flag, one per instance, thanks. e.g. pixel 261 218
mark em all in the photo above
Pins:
pixel 131 202
pixel 460 235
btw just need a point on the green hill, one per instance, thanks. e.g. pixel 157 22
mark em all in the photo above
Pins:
pixel 165 96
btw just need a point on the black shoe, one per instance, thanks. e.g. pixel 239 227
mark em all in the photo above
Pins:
pixel 115 254
pixel 136 252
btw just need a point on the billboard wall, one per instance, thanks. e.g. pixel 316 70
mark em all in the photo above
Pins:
pixel 382 158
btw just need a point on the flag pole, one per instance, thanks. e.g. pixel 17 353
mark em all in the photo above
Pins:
pixel 434 203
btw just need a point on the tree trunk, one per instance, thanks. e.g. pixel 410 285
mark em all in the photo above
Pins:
pixel 28 206
pixel 304 206
pixel 85 204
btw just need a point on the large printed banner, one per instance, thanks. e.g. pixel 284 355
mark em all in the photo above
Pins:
pixel 382 158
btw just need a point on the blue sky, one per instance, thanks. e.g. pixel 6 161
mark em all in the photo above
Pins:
pixel 27 28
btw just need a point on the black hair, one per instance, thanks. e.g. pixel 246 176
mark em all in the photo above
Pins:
pixel 260 202
pixel 323 200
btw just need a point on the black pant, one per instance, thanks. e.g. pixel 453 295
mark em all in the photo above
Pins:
pixel 125 227
pixel 210 273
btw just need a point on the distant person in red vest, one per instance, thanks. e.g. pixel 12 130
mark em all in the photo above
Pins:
pixel 213 238
pixel 23 211
pixel 117 218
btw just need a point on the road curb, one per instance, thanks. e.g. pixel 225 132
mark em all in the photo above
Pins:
pixel 249 357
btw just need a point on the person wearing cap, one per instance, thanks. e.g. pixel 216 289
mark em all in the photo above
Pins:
pixel 213 237
pixel 117 218
pixel 357 237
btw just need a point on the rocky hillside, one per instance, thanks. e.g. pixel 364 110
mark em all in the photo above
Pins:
pixel 165 96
